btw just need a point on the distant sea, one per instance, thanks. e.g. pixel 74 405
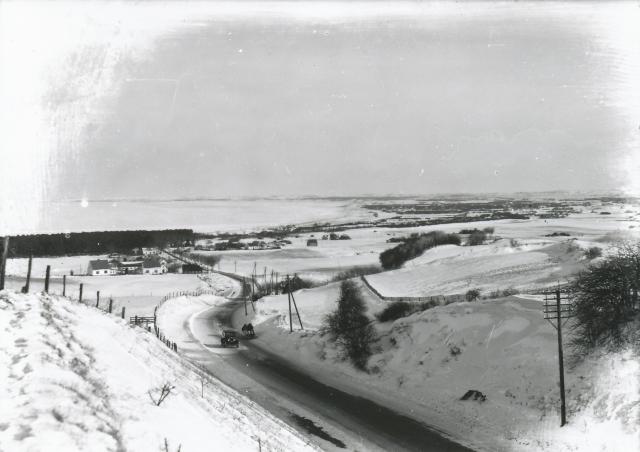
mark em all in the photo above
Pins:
pixel 200 215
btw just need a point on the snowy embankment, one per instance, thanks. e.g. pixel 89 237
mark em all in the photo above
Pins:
pixel 423 364
pixel 74 378
pixel 313 304
pixel 452 269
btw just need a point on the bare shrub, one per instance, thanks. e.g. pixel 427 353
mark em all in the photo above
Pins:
pixel 166 446
pixel 593 252
pixel 163 392
pixel 503 293
pixel 356 272
pixel 472 295
pixel 399 309
pixel 394 311
pixel 476 238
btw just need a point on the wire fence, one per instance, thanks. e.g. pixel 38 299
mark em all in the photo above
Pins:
pixel 439 299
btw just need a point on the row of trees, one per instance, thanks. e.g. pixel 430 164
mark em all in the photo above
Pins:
pixel 477 236
pixel 101 242
pixel 414 246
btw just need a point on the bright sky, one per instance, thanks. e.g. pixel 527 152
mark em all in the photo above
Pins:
pixel 192 99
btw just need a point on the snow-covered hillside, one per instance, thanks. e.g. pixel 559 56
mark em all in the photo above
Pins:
pixel 313 305
pixel 499 265
pixel 423 364
pixel 76 379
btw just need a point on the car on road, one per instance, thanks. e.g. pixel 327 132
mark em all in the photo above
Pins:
pixel 229 338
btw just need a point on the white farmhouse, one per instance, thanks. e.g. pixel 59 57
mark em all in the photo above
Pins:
pixel 100 267
pixel 153 265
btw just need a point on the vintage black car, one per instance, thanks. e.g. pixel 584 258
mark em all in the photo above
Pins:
pixel 229 338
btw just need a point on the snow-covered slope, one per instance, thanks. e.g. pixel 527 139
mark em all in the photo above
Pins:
pixel 76 379
pixel 423 364
pixel 313 305
pixel 454 269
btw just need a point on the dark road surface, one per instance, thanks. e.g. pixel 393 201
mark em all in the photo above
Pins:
pixel 339 411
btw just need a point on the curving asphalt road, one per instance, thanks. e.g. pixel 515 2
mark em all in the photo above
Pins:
pixel 332 419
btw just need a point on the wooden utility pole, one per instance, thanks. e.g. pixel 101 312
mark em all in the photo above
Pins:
pixel 244 296
pixel 558 308
pixel 295 305
pixel 64 285
pixel 289 298
pixel 26 286
pixel 46 279
pixel 563 404
pixel 3 260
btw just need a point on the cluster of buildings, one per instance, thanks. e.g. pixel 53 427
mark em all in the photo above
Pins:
pixel 120 265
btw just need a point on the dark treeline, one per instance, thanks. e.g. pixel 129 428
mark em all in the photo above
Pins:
pixel 103 242
pixel 414 246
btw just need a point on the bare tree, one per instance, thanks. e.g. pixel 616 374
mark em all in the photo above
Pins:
pixel 606 300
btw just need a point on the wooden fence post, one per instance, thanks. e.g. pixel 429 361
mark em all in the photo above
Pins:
pixel 46 279
pixel 97 298
pixel 80 299
pixel 3 260
pixel 26 287
pixel 64 285
pixel 123 312
pixel 110 304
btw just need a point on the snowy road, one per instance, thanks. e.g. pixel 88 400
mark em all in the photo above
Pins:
pixel 333 420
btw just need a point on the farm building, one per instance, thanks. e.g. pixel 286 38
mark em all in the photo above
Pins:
pixel 130 267
pixel 100 267
pixel 312 242
pixel 153 265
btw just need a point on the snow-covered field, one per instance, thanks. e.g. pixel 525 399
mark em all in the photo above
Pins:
pixel 138 294
pixel 454 269
pixel 60 265
pixel 76 379
pixel 423 364
pixel 331 257
pixel 313 305
pixel 318 263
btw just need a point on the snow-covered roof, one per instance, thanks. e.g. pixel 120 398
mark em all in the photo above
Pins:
pixel 99 264
pixel 152 262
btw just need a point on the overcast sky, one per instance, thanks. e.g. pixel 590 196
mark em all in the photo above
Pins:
pixel 265 98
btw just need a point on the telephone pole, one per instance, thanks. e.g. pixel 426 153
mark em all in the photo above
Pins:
pixel 289 299
pixel 557 307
